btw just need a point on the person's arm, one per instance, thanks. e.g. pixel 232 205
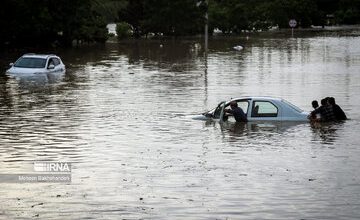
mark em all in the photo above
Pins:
pixel 230 111
pixel 316 111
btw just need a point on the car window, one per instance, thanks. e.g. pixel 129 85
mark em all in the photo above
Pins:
pixel 293 106
pixel 51 62
pixel 243 105
pixel 56 61
pixel 30 62
pixel 264 109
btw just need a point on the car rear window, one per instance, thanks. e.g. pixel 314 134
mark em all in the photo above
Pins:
pixel 293 106
pixel 30 62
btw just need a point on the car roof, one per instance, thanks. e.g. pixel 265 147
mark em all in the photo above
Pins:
pixel 44 56
pixel 268 98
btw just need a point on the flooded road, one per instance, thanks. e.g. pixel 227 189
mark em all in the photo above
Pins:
pixel 120 115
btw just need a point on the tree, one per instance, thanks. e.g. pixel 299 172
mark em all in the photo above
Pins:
pixel 219 17
pixel 348 12
pixel 43 22
pixel 109 9
pixel 174 18
pixel 133 14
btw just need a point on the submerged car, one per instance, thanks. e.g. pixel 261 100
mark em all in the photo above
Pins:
pixel 257 109
pixel 35 64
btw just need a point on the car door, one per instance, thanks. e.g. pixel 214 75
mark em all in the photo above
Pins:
pixel 264 110
pixel 219 111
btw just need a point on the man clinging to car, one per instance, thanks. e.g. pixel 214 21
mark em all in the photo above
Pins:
pixel 237 112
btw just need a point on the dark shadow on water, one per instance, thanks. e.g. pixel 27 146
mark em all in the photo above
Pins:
pixel 277 134
pixel 28 92
pixel 36 82
pixel 256 129
pixel 326 133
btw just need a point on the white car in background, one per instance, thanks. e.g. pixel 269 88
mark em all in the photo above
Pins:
pixel 36 64
pixel 257 109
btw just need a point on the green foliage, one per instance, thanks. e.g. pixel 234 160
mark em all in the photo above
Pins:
pixel 304 11
pixel 349 16
pixel 43 22
pixel 348 12
pixel 219 17
pixel 109 8
pixel 238 15
pixel 123 30
pixel 176 17
pixel 133 14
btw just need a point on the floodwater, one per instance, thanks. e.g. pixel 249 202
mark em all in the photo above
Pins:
pixel 120 114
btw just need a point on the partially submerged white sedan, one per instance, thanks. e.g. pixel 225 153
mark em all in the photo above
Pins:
pixel 257 109
pixel 36 64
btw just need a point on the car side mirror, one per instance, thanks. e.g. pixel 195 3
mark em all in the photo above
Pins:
pixel 11 64
pixel 51 66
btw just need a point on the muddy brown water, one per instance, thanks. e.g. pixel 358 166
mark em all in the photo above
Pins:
pixel 120 114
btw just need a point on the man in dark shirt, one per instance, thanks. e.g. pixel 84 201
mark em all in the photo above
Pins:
pixel 315 104
pixel 325 111
pixel 338 112
pixel 237 112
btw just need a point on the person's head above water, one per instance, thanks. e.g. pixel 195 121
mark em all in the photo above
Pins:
pixel 331 101
pixel 324 102
pixel 327 99
pixel 233 104
pixel 315 104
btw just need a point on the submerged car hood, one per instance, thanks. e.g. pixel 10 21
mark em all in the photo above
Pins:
pixel 201 117
pixel 19 70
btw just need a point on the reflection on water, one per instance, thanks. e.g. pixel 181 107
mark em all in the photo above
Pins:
pixel 326 132
pixel 262 127
pixel 119 113
pixel 35 82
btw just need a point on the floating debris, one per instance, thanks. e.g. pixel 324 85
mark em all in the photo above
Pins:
pixel 238 47
pixel 37 204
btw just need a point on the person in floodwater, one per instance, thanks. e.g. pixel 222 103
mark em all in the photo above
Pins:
pixel 325 111
pixel 338 112
pixel 315 105
pixel 237 112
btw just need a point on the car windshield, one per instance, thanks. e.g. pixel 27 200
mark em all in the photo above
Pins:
pixel 30 62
